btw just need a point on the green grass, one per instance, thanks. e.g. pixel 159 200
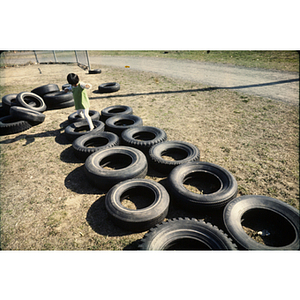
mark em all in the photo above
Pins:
pixel 278 60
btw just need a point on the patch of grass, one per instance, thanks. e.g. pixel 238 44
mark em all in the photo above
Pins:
pixel 278 60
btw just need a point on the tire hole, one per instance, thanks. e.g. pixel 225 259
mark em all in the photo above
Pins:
pixel 82 128
pixel 116 161
pixel 137 198
pixel 202 183
pixel 116 110
pixel 144 136
pixel 124 122
pixel 280 232
pixel 96 142
pixel 174 154
pixel 187 244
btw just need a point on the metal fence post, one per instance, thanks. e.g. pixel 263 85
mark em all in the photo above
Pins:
pixel 54 56
pixel 87 57
pixel 36 56
pixel 76 56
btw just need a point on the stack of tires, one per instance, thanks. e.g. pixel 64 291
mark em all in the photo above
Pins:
pixel 21 111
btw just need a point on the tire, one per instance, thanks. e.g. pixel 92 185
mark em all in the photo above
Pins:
pixel 29 115
pixel 217 186
pixel 74 117
pixel 8 101
pixel 10 125
pixel 89 143
pixel 153 209
pixel 80 128
pixel 109 87
pixel 182 151
pixel 54 98
pixel 45 89
pixel 130 163
pixel 277 217
pixel 95 71
pixel 115 110
pixel 117 124
pixel 25 98
pixel 186 234
pixel 143 137
pixel 62 105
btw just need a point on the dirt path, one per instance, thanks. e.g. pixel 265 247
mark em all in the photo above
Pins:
pixel 276 85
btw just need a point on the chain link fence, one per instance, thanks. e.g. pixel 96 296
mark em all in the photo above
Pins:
pixel 13 58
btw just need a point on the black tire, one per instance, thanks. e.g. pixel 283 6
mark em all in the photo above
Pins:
pixel 263 213
pixel 54 98
pixel 8 101
pixel 117 124
pixel 149 197
pixel 77 129
pixel 89 143
pixel 31 116
pixel 74 117
pixel 182 152
pixel 217 186
pixel 115 110
pixel 24 99
pixel 124 163
pixel 45 89
pixel 109 87
pixel 186 234
pixel 143 137
pixel 61 105
pixel 95 71
pixel 10 125
pixel 3 111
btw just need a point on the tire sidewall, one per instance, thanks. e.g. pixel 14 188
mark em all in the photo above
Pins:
pixel 140 219
pixel 188 199
pixel 236 208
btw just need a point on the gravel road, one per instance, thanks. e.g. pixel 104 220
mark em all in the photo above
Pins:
pixel 276 85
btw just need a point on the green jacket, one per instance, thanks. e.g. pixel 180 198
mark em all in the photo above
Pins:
pixel 81 98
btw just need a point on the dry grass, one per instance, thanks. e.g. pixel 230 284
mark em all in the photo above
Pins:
pixel 46 200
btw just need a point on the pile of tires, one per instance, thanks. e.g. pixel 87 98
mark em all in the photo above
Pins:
pixel 21 111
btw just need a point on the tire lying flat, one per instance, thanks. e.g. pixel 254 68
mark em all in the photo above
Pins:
pixel 45 89
pixel 74 117
pixel 151 212
pixel 89 143
pixel 8 101
pixel 186 234
pixel 216 186
pixel 117 124
pixel 115 110
pixel 108 167
pixel 109 87
pixel 143 137
pixel 183 151
pixel 31 116
pixel 277 217
pixel 77 129
pixel 10 125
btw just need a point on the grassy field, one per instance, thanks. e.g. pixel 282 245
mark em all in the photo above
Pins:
pixel 278 60
pixel 47 203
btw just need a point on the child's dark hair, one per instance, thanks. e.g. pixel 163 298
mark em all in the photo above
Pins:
pixel 72 78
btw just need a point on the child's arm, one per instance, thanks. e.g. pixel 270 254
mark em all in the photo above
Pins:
pixel 85 85
pixel 68 88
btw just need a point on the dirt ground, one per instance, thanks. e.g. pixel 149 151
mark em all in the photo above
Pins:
pixel 48 204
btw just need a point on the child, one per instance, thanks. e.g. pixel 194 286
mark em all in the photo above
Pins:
pixel 81 99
